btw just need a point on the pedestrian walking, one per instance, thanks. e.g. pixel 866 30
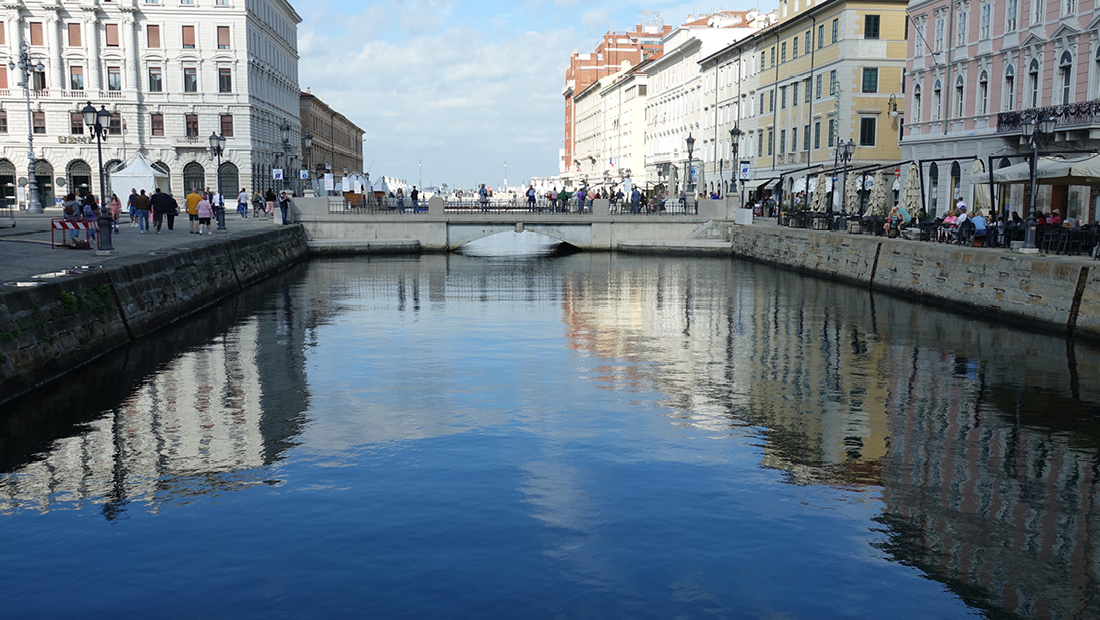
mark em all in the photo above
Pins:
pixel 114 208
pixel 192 201
pixel 205 211
pixel 269 203
pixel 161 207
pixel 242 202
pixel 257 203
pixel 142 206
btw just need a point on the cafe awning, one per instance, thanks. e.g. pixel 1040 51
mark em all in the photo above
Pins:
pixel 755 184
pixel 1049 171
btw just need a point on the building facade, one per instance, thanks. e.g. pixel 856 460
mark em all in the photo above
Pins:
pixel 584 70
pixel 977 70
pixel 170 73
pixel 337 142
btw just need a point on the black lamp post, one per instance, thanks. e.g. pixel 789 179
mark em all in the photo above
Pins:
pixel 217 148
pixel 307 140
pixel 844 153
pixel 98 122
pixel 284 130
pixel 27 67
pixel 689 188
pixel 735 137
pixel 1037 131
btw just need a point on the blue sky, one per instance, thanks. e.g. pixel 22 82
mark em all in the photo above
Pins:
pixel 461 86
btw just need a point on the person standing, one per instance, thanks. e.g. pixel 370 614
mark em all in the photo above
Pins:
pixel 217 203
pixel 635 201
pixel 269 203
pixel 483 197
pixel 415 197
pixel 172 211
pixel 257 203
pixel 193 200
pixel 205 211
pixel 531 198
pixel 142 206
pixel 284 205
pixel 400 200
pixel 131 208
pixel 114 208
pixel 242 202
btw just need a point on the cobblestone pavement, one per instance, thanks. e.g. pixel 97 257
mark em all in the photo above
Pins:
pixel 25 249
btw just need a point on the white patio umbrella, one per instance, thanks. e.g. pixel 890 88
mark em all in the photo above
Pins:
pixel 910 191
pixel 878 195
pixel 851 193
pixel 820 195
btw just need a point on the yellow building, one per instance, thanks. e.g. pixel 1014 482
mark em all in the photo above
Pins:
pixel 826 74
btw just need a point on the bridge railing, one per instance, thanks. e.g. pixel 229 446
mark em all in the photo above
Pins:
pixel 397 206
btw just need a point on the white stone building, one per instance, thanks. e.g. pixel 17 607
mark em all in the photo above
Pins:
pixel 171 72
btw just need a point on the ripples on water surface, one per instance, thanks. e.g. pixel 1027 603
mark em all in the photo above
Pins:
pixel 588 436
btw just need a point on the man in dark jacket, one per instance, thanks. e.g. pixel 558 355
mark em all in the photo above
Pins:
pixel 162 206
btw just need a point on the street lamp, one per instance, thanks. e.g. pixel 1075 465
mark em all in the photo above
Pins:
pixel 1037 131
pixel 217 148
pixel 284 130
pixel 735 137
pixel 307 140
pixel 98 123
pixel 27 66
pixel 688 187
pixel 844 153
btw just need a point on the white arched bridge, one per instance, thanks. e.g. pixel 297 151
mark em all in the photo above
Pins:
pixel 331 222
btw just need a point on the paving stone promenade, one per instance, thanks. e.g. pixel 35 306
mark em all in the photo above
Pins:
pixel 25 249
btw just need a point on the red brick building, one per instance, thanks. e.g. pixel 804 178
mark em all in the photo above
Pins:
pixel 585 69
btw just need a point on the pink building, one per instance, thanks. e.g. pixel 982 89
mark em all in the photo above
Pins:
pixel 976 69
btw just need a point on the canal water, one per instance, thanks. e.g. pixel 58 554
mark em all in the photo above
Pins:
pixel 590 436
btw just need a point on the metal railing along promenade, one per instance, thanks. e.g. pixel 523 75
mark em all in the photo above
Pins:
pixel 395 206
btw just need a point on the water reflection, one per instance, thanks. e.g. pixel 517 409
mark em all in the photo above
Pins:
pixel 584 393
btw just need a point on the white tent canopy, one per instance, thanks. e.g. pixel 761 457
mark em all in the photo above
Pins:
pixel 138 175
pixel 355 182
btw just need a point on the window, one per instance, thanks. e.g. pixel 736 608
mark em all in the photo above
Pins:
pixel 222 3
pixel 773 56
pixel 114 78
pixel 866 132
pixel 782 141
pixel 783 52
pixel 1065 67
pixel 836 29
pixel 794 49
pixel 227 125
pixel 1010 15
pixel 762 60
pixel 794 139
pixel 192 123
pixel 821 36
pixel 870 79
pixel 156 80
pixel 36 33
pixel 761 103
pixel 111 31
pixel 939 34
pixel 832 132
pixel 225 81
pixel 916 104
pixel 794 94
pixel 114 128
pixel 960 84
pixel 782 97
pixel 987 17
pixel 1010 88
pixel 960 29
pixel 3 121
pixel 74 35
pixel 223 37
pixel 870 26
pixel 2 39
pixel 1069 8
pixel 76 78
pixel 937 101
pixel 190 80
pixel 832 82
pixel 817 87
pixel 38 78
pixel 38 121
pixel 760 143
pixel 188 37
pixel 817 135
pixel 807 38
pixel 771 100
pixel 3 76
pixel 76 123
pixel 983 93
pixel 806 88
pixel 1040 10
pixel 152 36
pixel 771 142
pixel 156 124
pixel 1033 79
pixel 805 137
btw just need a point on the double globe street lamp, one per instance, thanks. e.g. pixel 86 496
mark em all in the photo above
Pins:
pixel 27 67
pixel 98 122
pixel 1037 130
pixel 689 189
pixel 735 136
pixel 307 141
pixel 844 153
pixel 217 149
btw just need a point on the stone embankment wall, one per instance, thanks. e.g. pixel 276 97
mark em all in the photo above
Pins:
pixel 1055 293
pixel 51 329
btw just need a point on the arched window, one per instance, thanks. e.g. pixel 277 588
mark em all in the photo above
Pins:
pixel 916 104
pixel 937 101
pixel 1065 67
pixel 230 180
pixel 983 93
pixel 79 176
pixel 956 178
pixel 194 177
pixel 1033 82
pixel 163 168
pixel 7 182
pixel 1010 88
pixel 959 101
pixel 1096 72
pixel 934 184
pixel 43 176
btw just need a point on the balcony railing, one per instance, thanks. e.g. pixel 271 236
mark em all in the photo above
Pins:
pixel 1067 116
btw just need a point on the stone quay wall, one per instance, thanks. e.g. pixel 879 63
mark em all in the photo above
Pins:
pixel 53 328
pixel 1054 293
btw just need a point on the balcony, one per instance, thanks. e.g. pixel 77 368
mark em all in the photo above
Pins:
pixel 194 141
pixel 1068 116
